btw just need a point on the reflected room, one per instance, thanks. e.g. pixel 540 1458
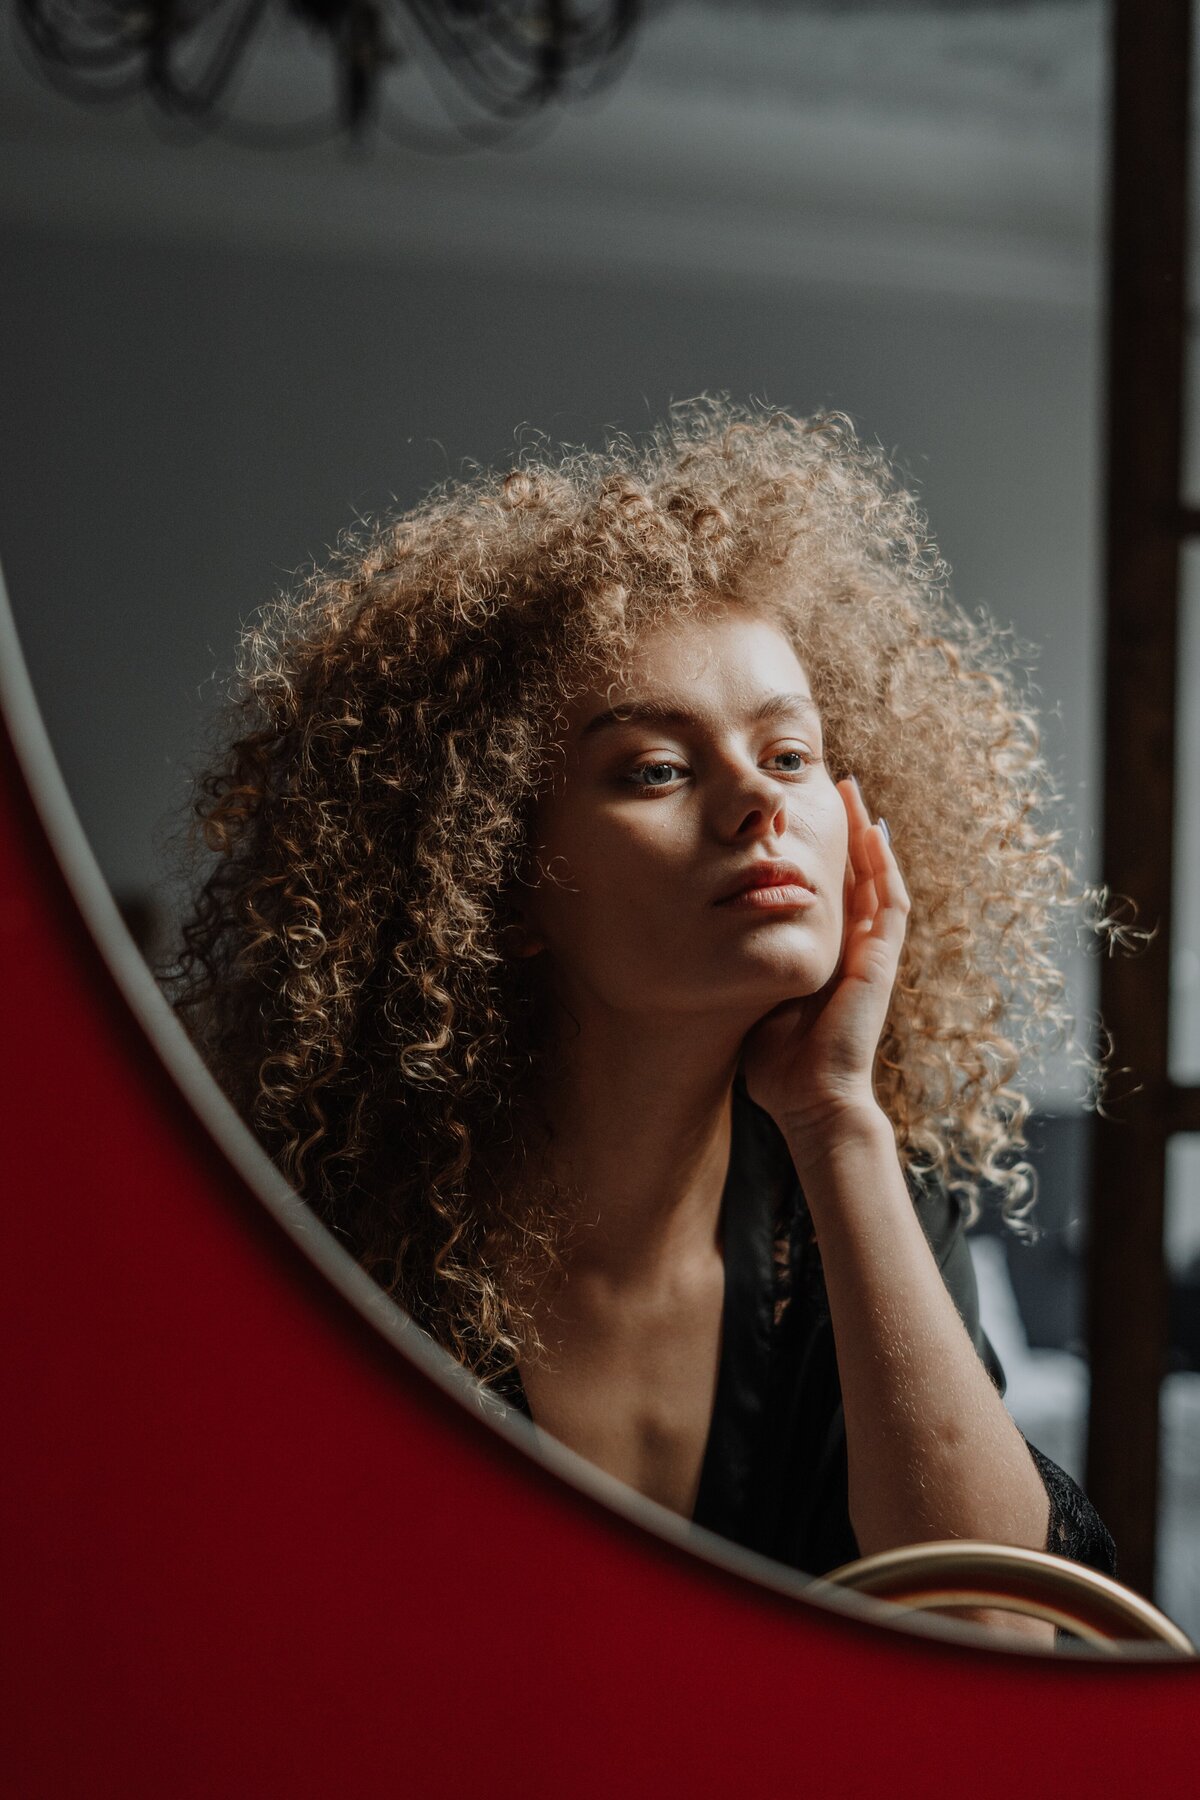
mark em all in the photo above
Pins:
pixel 311 279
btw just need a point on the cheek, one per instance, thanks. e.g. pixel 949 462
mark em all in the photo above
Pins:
pixel 629 912
pixel 583 867
pixel 628 843
pixel 840 836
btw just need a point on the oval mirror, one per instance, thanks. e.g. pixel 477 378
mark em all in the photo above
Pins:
pixel 222 357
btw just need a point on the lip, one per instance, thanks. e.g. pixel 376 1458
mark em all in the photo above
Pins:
pixel 769 883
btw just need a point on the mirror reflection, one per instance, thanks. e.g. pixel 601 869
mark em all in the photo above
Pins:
pixel 609 1132
pixel 630 910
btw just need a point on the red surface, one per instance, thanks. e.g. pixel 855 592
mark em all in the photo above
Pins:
pixel 248 1549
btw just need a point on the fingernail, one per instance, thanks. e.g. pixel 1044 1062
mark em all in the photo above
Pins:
pixel 883 826
pixel 857 789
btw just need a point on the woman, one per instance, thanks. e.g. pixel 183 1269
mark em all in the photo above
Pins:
pixel 558 952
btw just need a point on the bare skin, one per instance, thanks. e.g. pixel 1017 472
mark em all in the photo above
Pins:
pixel 659 986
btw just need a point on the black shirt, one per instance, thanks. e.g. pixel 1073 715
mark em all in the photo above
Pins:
pixel 773 1476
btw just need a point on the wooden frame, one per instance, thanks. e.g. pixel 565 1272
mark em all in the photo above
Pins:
pixel 1146 523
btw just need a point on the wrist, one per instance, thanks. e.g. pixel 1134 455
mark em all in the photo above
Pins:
pixel 814 1140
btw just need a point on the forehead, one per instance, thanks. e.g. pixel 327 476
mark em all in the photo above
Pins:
pixel 721 664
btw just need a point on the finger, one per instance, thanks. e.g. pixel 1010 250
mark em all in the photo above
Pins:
pixel 860 814
pixel 894 901
pixel 856 806
pixel 885 864
pixel 864 901
pixel 880 903
pixel 859 820
pixel 856 812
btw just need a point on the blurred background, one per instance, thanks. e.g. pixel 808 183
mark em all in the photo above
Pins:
pixel 217 355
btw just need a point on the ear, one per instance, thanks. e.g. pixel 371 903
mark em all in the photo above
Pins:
pixel 523 943
pixel 518 939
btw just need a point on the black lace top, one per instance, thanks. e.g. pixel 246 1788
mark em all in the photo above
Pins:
pixel 774 1471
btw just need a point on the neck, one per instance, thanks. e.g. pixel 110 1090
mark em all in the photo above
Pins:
pixel 641 1113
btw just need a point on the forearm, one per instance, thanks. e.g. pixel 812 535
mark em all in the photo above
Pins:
pixel 932 1452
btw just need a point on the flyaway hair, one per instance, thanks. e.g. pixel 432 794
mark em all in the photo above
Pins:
pixel 343 969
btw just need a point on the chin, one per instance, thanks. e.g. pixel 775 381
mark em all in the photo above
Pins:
pixel 788 970
pixel 759 990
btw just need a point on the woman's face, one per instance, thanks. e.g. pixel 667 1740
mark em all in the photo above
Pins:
pixel 712 765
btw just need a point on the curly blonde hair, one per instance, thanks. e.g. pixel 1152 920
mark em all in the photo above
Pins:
pixel 343 968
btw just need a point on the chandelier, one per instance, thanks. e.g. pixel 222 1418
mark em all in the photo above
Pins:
pixel 235 66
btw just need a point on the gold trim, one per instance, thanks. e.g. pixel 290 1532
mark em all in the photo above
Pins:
pixel 961 1572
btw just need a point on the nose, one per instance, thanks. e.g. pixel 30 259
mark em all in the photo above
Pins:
pixel 756 807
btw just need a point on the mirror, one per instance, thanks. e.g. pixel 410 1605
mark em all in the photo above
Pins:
pixel 224 356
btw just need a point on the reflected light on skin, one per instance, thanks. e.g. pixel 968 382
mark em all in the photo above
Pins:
pixel 652 819
pixel 654 816
pixel 704 758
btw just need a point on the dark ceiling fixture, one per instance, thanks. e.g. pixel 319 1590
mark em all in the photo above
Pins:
pixel 236 66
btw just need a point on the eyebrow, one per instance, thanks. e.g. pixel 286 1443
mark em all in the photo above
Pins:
pixel 653 712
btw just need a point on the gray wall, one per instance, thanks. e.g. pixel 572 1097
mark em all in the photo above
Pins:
pixel 193 422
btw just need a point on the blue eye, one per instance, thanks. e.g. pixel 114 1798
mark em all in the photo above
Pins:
pixel 659 775
pixel 660 769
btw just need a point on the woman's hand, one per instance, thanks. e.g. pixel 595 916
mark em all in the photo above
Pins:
pixel 810 1062
pixel 931 1451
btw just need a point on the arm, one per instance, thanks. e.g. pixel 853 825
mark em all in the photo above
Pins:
pixel 1076 1530
pixel 931 1449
